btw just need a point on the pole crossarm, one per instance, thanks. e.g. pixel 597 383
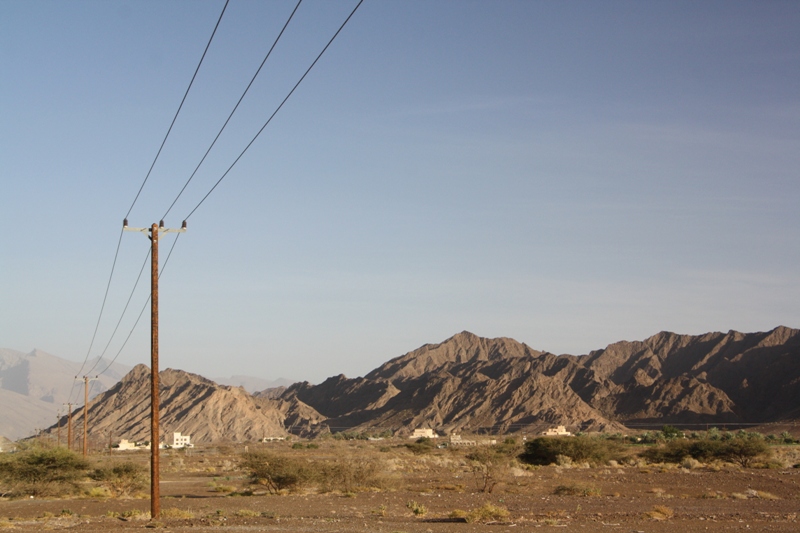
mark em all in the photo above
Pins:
pixel 161 228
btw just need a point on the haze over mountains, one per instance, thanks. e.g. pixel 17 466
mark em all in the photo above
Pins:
pixel 33 387
pixel 473 384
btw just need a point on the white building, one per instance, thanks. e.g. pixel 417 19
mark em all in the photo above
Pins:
pixel 126 445
pixel 456 440
pixel 181 441
pixel 560 431
pixel 420 433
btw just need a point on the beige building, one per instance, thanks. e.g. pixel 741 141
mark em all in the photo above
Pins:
pixel 559 431
pixel 420 433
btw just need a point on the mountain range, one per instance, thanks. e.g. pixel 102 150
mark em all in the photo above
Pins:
pixel 473 384
pixel 35 385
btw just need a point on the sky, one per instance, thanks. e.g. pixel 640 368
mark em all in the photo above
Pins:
pixel 567 174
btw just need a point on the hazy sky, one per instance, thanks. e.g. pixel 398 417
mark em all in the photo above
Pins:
pixel 567 174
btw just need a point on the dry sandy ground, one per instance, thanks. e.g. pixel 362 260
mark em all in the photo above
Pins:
pixel 731 499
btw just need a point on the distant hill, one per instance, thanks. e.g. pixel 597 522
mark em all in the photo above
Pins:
pixel 252 384
pixel 34 385
pixel 472 384
pixel 190 404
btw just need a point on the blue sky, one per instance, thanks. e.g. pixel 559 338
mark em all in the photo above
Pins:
pixel 567 174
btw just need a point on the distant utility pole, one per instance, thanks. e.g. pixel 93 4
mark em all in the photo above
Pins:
pixel 69 426
pixel 86 381
pixel 58 422
pixel 155 230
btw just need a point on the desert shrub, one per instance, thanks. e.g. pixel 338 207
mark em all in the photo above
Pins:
pixel 742 451
pixel 135 514
pixel 660 512
pixel 217 487
pixel 421 445
pixel 121 479
pixel 545 450
pixel 576 489
pixel 489 466
pixel 416 508
pixel 487 513
pixel 349 474
pixel 174 512
pixel 42 472
pixel 671 432
pixel 509 447
pixel 97 492
pixel 276 472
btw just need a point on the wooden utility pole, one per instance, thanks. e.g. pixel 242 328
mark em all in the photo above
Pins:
pixel 58 433
pixel 155 230
pixel 86 381
pixel 69 426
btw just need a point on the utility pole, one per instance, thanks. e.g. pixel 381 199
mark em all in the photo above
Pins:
pixel 58 438
pixel 69 426
pixel 86 381
pixel 155 230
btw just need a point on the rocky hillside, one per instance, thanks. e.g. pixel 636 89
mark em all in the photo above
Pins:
pixel 190 404
pixel 717 377
pixel 469 383
pixel 473 384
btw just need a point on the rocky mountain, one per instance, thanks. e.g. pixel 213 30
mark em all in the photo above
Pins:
pixel 190 404
pixel 469 383
pixel 473 384
pixel 717 377
pixel 33 387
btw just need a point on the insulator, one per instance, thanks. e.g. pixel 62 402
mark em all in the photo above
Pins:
pixel 161 224
pixel 183 226
pixel 125 223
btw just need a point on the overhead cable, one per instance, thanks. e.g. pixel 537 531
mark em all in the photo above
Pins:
pixel 161 271
pixel 275 112
pixel 116 254
pixel 233 110
pixel 179 109
pixel 133 290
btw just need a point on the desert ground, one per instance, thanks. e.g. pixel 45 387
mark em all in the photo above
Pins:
pixel 206 489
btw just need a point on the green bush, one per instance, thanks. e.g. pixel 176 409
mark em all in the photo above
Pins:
pixel 421 445
pixel 276 472
pixel 348 474
pixel 581 449
pixel 122 479
pixel 740 450
pixel 42 472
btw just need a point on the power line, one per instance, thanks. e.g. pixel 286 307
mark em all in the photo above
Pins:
pixel 163 142
pixel 144 307
pixel 276 110
pixel 102 308
pixel 179 109
pixel 234 109
pixel 133 290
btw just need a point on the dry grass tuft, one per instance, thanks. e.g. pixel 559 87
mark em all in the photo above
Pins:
pixel 576 489
pixel 174 512
pixel 488 513
pixel 416 508
pixel 660 512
